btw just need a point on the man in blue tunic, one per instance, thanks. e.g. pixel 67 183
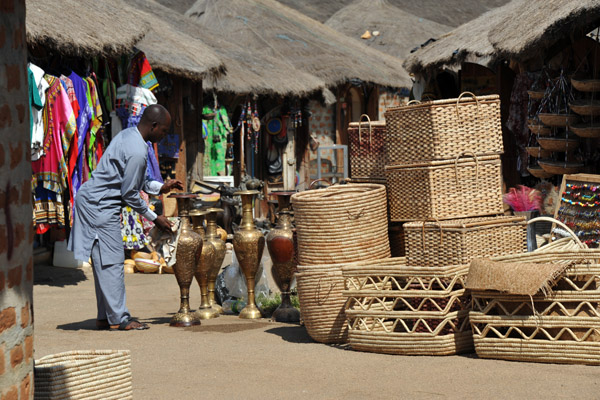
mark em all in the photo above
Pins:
pixel 96 232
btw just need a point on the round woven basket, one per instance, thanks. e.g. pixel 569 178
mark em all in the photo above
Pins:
pixel 559 144
pixel 538 172
pixel 586 85
pixel 536 95
pixel 539 130
pixel 322 303
pixel 585 107
pixel 589 130
pixel 341 224
pixel 558 120
pixel 560 167
pixel 538 152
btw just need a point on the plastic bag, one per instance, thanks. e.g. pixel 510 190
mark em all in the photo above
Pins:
pixel 235 282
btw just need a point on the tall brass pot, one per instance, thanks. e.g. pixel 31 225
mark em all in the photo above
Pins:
pixel 203 265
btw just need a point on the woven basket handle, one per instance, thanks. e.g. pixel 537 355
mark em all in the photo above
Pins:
pixel 458 101
pixel 562 225
pixel 413 102
pixel 437 221
pixel 469 153
pixel 370 130
pixel 355 216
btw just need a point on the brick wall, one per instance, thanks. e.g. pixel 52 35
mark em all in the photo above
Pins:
pixel 391 98
pixel 16 233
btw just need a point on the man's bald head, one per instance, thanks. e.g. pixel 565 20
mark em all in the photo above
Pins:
pixel 155 123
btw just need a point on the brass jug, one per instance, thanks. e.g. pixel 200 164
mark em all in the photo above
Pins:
pixel 189 247
pixel 203 265
pixel 213 237
pixel 248 243
pixel 280 243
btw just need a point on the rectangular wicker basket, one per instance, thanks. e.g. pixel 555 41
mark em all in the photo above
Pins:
pixel 367 158
pixel 442 129
pixel 395 309
pixel 560 327
pixel 458 241
pixel 89 374
pixel 447 189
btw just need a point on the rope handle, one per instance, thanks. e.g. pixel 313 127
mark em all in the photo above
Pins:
pixel 458 101
pixel 413 102
pixel 370 131
pixel 318 294
pixel 356 216
pixel 437 221
pixel 470 153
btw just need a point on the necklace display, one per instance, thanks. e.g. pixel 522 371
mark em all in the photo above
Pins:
pixel 580 211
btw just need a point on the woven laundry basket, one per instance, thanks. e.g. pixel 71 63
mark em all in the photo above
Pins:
pixel 94 374
pixel 458 241
pixel 396 309
pixel 367 157
pixel 321 302
pixel 442 129
pixel 457 188
pixel 342 223
pixel 559 325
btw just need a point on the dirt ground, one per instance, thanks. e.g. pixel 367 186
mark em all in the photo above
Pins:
pixel 229 358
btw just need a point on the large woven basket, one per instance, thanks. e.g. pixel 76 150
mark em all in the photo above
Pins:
pixel 396 309
pixel 560 327
pixel 457 188
pixel 94 374
pixel 442 129
pixel 458 241
pixel 367 158
pixel 321 302
pixel 342 223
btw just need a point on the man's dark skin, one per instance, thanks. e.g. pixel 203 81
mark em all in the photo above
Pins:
pixel 154 126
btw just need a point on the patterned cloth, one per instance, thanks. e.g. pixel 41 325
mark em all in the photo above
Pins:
pixel 215 143
pixel 140 72
pixel 48 209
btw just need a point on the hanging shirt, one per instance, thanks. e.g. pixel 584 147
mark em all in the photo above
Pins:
pixel 215 143
pixel 83 122
pixel 140 72
pixel 40 85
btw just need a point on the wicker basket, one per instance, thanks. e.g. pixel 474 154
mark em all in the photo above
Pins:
pixel 95 374
pixel 585 107
pixel 457 242
pixel 538 152
pixel 558 120
pixel 589 130
pixel 441 129
pixel 586 85
pixel 321 302
pixel 367 158
pixel 395 309
pixel 458 188
pixel 342 223
pixel 539 173
pixel 561 327
pixel 559 144
pixel 560 167
pixel 540 130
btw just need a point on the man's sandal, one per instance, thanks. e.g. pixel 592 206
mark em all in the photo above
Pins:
pixel 129 325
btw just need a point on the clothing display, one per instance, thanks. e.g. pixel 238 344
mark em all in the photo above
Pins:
pixel 215 133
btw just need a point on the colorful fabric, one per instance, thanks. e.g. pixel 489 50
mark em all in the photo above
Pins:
pixel 140 72
pixel 169 146
pixel 83 122
pixel 35 102
pixel 48 209
pixel 96 124
pixel 68 86
pixel 132 229
pixel 37 130
pixel 153 169
pixel 215 144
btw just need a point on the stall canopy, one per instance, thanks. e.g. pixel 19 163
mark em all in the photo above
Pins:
pixel 83 27
pixel 398 31
pixel 274 30
pixel 248 71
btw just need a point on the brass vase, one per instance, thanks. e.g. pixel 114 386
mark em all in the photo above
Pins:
pixel 203 265
pixel 189 247
pixel 280 242
pixel 214 238
pixel 249 243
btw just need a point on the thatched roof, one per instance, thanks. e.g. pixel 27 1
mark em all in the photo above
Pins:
pixel 272 29
pixel 83 27
pixel 172 49
pixel 399 31
pixel 468 42
pixel 446 12
pixel 536 25
pixel 247 71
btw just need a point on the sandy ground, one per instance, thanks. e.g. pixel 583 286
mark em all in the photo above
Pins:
pixel 229 358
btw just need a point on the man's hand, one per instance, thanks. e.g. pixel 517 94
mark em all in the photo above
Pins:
pixel 163 223
pixel 170 185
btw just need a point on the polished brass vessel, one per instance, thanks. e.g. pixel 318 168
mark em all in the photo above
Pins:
pixel 203 265
pixel 214 238
pixel 189 247
pixel 248 243
pixel 280 243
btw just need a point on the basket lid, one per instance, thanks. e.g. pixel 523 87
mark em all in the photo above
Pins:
pixel 443 102
pixel 466 222
pixel 365 124
pixel 446 162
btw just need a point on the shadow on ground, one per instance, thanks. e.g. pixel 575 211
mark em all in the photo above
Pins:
pixel 292 334
pixel 56 276
pixel 87 325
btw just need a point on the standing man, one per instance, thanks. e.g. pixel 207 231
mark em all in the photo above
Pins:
pixel 96 232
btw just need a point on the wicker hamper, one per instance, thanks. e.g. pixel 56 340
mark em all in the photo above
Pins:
pixel 457 188
pixel 396 309
pixel 342 223
pixel 560 325
pixel 94 374
pixel 367 158
pixel 441 129
pixel 458 241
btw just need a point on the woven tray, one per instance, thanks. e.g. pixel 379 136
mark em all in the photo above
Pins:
pixel 457 188
pixel 441 129
pixel 395 309
pixel 94 374
pixel 457 242
pixel 561 327
pixel 367 158
pixel 342 223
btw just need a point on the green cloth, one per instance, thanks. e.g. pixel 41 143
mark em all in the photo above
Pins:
pixel 215 141
pixel 34 99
